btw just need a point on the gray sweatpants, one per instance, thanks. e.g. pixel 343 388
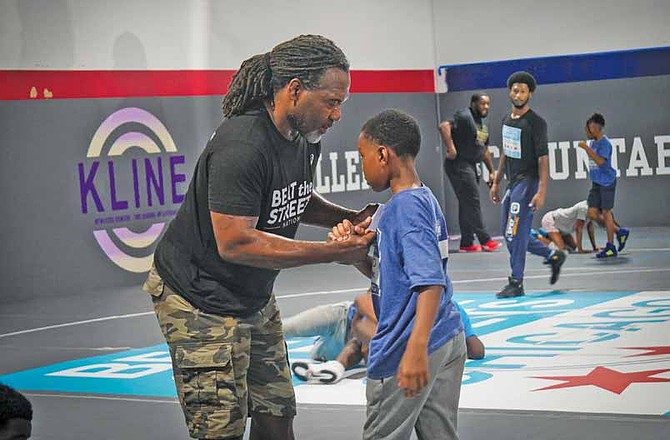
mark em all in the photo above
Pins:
pixel 434 412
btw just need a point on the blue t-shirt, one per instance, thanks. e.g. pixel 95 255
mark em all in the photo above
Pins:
pixel 604 174
pixel 410 251
pixel 467 326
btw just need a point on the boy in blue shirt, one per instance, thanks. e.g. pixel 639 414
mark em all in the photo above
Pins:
pixel 343 332
pixel 416 358
pixel 603 176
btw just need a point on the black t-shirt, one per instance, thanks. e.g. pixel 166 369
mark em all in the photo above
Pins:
pixel 470 134
pixel 524 141
pixel 247 169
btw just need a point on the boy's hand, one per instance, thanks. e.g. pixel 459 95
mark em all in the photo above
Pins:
pixel 341 231
pixel 413 370
pixel 344 230
pixel 583 145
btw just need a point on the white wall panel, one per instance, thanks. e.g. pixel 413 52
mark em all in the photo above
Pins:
pixel 178 34
pixel 490 30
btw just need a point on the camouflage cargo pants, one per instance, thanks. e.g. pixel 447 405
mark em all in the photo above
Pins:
pixel 223 367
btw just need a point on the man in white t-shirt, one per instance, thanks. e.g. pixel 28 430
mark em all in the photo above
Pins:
pixel 560 223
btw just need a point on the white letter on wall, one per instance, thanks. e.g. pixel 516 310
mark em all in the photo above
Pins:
pixel 638 159
pixel 663 154
pixel 353 179
pixel 565 167
pixel 618 146
pixel 582 162
pixel 338 179
pixel 322 183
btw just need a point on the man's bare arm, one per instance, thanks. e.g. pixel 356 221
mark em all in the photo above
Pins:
pixel 239 242
pixel 322 212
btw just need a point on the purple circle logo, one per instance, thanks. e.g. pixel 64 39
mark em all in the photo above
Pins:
pixel 129 182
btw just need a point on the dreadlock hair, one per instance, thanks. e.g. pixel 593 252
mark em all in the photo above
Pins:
pixel 306 57
pixel 596 118
pixel 394 129
pixel 13 405
pixel 523 78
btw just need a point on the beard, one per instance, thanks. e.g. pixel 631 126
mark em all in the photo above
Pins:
pixel 312 137
pixel 298 124
pixel 520 106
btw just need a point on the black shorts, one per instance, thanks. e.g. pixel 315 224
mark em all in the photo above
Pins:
pixel 602 197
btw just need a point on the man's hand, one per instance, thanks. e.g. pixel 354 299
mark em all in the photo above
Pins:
pixel 492 178
pixel 537 202
pixel 493 193
pixel 355 247
pixel 583 145
pixel 413 372
pixel 364 213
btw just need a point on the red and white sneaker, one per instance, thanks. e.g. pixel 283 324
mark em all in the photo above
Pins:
pixel 472 248
pixel 491 246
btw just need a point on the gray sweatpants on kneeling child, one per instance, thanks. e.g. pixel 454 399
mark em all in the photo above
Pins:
pixel 433 413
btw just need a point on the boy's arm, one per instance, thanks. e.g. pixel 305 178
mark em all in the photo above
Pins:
pixel 592 154
pixel 413 370
pixel 364 267
pixel 364 306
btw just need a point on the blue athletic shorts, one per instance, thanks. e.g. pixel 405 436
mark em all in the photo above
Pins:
pixel 602 197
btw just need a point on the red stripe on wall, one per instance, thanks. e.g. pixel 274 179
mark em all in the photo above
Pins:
pixel 69 84
pixel 392 81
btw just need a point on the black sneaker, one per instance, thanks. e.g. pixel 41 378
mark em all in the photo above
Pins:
pixel 511 290
pixel 556 260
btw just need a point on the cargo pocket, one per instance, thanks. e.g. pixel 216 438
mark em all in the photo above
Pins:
pixel 207 374
pixel 154 283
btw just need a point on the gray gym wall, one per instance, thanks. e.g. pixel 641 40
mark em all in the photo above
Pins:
pixel 636 119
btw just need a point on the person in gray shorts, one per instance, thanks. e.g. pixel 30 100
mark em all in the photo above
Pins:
pixel 343 332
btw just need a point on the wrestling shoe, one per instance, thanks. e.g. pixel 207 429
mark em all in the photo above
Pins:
pixel 621 236
pixel 607 252
pixel 491 246
pixel 512 289
pixel 555 260
pixel 324 372
pixel 471 248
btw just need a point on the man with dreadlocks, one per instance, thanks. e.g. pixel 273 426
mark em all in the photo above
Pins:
pixel 215 267
pixel 525 162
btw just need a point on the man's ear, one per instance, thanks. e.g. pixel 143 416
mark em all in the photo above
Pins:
pixel 295 88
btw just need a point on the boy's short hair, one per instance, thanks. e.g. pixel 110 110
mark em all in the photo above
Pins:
pixel 394 129
pixel 13 405
pixel 596 118
pixel 523 78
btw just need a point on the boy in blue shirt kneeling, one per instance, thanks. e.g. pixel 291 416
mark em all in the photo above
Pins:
pixel 417 355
